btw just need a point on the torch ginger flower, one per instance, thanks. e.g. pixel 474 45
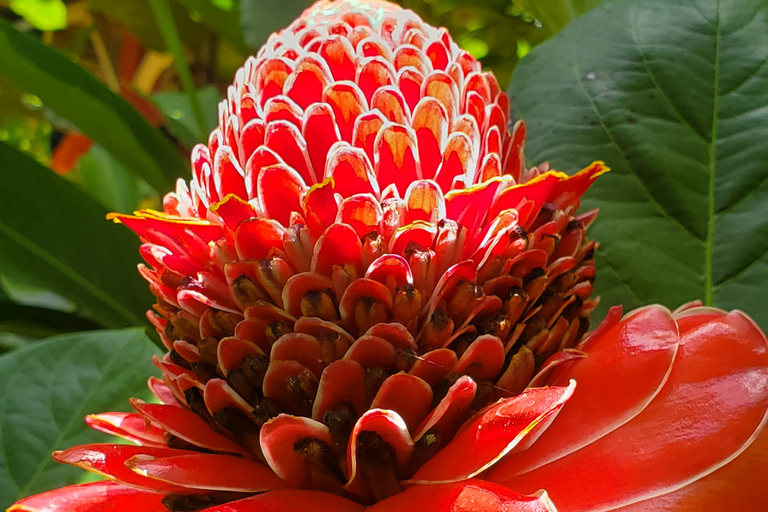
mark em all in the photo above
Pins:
pixel 369 301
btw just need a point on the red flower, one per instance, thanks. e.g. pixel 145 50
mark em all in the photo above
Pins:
pixel 367 300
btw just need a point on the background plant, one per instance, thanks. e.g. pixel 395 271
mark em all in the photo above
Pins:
pixel 100 102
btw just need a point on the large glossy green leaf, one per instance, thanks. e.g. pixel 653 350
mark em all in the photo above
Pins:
pixel 674 97
pixel 77 95
pixel 48 388
pixel 55 236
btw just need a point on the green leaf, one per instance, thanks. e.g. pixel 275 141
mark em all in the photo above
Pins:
pixel 672 95
pixel 48 388
pixel 165 22
pixel 554 15
pixel 259 18
pixel 55 236
pixel 105 180
pixel 42 14
pixel 34 322
pixel 181 121
pixel 77 95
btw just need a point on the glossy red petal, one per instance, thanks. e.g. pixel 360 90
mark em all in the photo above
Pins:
pixel 625 368
pixel 109 460
pixel 186 425
pixel 712 407
pixel 279 437
pixel 279 189
pixel 285 500
pixel 209 472
pixel 467 496
pixel 130 426
pixel 732 487
pixel 92 497
pixel 396 156
pixel 493 433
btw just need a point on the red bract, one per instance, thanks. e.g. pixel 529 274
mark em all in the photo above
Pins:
pixel 369 301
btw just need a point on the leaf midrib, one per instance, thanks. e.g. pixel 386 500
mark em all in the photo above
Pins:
pixel 69 272
pixel 709 244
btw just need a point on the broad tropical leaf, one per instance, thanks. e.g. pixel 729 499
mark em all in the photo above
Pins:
pixel 54 235
pixel 672 95
pixel 48 387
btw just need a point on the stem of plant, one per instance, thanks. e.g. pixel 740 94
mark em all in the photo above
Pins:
pixel 164 18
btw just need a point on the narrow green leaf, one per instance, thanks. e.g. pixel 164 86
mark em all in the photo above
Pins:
pixel 48 388
pixel 167 26
pixel 672 95
pixel 37 322
pixel 77 95
pixel 259 18
pixel 53 235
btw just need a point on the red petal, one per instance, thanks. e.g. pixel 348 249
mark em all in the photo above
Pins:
pixel 351 171
pixel 710 409
pixel 348 102
pixel 442 87
pixel 285 139
pixel 374 73
pixel 493 433
pixel 305 85
pixel 430 121
pixel 391 103
pixel 321 133
pixel 289 500
pixel 366 129
pixel 109 460
pixel 279 188
pixel 130 426
pixel 362 212
pixel 391 428
pixel 209 472
pixel 624 370
pixel 732 487
pixel 444 419
pixel 425 202
pixel 278 439
pixel 186 425
pixel 337 51
pixel 468 496
pixel 92 497
pixel 396 156
pixel 407 395
pixel 342 382
pixel 302 348
pixel 339 245
pixel 255 238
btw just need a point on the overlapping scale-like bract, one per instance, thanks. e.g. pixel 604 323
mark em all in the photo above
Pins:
pixel 360 262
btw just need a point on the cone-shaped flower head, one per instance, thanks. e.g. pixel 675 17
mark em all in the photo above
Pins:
pixel 361 260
